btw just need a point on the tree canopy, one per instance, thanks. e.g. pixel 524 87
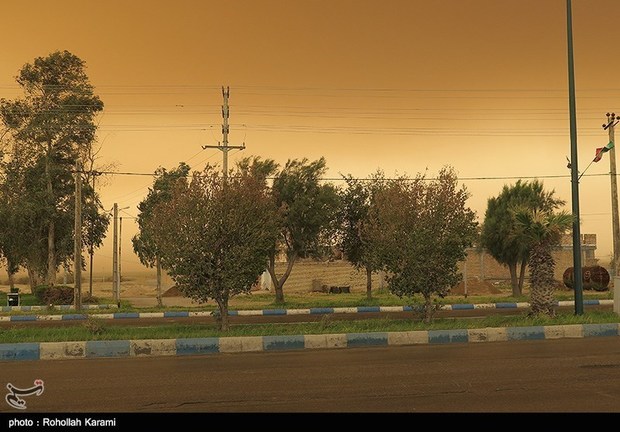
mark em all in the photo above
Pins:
pixel 51 126
pixel 215 235
pixel 499 226
pixel 355 236
pixel 426 227
pixel 307 214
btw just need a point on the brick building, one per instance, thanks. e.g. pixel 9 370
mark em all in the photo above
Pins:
pixel 479 265
pixel 482 266
pixel 308 274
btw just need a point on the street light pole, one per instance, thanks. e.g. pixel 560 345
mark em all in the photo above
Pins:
pixel 577 272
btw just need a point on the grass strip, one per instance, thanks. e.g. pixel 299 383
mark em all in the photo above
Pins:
pixel 98 329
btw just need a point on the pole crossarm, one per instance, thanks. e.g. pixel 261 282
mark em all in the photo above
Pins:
pixel 224 146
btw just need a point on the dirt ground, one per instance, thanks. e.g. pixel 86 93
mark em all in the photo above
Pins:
pixel 143 285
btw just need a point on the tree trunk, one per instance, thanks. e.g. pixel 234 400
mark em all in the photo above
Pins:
pixel 428 309
pixel 543 301
pixel 522 276
pixel 51 247
pixel 158 266
pixel 33 279
pixel 279 283
pixel 542 296
pixel 11 278
pixel 223 319
pixel 514 281
pixel 368 283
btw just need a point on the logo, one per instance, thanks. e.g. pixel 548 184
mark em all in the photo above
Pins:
pixel 13 397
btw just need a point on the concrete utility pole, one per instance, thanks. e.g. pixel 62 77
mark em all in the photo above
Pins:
pixel 612 120
pixel 77 254
pixel 115 281
pixel 120 256
pixel 225 129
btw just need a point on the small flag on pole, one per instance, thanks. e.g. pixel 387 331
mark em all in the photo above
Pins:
pixel 601 150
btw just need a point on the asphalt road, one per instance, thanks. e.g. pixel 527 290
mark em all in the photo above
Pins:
pixel 544 376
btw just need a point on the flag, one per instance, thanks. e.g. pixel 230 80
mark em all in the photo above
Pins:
pixel 601 150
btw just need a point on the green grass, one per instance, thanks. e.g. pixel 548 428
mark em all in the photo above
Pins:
pixel 98 329
pixel 266 300
pixel 102 329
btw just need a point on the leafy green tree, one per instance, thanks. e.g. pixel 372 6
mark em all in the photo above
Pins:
pixel 355 236
pixel 215 235
pixel 144 244
pixel 426 229
pixel 24 226
pixel 543 231
pixel 12 224
pixel 499 226
pixel 307 215
pixel 55 121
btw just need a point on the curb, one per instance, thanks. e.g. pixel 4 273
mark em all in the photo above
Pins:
pixel 273 312
pixel 61 307
pixel 217 345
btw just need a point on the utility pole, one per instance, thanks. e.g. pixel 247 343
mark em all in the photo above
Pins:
pixel 77 254
pixel 223 146
pixel 90 247
pixel 577 271
pixel 115 284
pixel 120 258
pixel 612 120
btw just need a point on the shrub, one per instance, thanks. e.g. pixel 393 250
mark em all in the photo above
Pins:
pixel 88 299
pixel 95 326
pixel 55 295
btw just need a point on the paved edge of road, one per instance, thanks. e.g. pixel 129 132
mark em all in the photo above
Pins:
pixel 273 312
pixel 217 345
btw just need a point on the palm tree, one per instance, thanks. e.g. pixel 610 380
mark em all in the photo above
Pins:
pixel 543 230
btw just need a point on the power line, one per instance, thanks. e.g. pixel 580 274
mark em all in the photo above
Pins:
pixel 396 178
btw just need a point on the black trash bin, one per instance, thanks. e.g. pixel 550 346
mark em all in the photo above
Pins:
pixel 13 299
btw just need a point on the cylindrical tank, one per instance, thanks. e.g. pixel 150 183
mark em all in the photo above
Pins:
pixel 594 278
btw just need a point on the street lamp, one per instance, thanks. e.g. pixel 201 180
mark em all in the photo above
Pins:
pixel 577 276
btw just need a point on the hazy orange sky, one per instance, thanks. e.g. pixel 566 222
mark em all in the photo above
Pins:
pixel 401 85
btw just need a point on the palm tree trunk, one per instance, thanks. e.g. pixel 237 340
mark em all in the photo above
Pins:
pixel 542 265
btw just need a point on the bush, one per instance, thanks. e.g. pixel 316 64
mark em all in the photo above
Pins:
pixel 88 299
pixel 55 295
pixel 95 326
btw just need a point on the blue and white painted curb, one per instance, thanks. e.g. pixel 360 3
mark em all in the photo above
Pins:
pixel 60 307
pixel 275 312
pixel 216 345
